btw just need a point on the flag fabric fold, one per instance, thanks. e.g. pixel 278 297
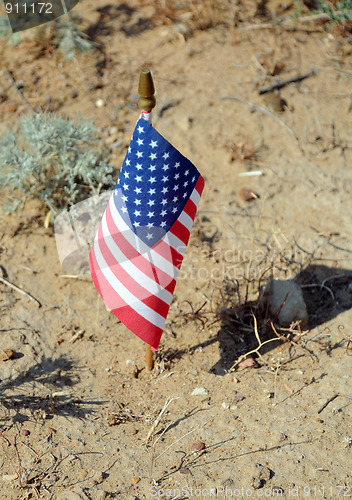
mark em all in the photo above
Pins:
pixel 143 235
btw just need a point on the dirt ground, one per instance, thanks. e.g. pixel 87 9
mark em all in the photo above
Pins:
pixel 80 416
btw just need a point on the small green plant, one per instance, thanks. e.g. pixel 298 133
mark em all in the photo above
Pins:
pixel 69 39
pixel 337 11
pixel 5 31
pixel 63 35
pixel 54 159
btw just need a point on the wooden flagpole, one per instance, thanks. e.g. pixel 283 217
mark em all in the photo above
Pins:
pixel 146 102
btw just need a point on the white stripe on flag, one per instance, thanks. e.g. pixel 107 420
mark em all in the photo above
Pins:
pixel 145 311
pixel 186 220
pixel 195 197
pixel 145 281
pixel 175 243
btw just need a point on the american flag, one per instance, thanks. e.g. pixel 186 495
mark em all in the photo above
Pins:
pixel 143 235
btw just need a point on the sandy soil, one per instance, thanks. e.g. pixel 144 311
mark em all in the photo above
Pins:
pixel 79 416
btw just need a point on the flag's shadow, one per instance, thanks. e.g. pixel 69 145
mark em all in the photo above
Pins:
pixel 327 293
pixel 44 390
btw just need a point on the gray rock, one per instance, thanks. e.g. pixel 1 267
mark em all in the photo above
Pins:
pixel 101 495
pixel 258 483
pixel 228 483
pixel 294 308
pixel 200 391
pixel 98 476
pixel 78 494
pixel 261 474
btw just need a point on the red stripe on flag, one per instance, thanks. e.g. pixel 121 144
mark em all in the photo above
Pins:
pixel 163 249
pixel 179 230
pixel 190 209
pixel 136 289
pixel 107 292
pixel 129 317
pixel 145 330
pixel 199 185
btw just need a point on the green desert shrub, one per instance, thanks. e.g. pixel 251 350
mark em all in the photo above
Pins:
pixel 63 33
pixel 69 38
pixel 337 11
pixel 55 159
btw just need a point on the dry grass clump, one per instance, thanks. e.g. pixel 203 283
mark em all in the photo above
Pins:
pixel 197 14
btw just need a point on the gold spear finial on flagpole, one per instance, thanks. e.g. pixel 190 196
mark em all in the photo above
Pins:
pixel 146 102
pixel 146 91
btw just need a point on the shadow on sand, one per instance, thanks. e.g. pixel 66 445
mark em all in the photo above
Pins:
pixel 22 396
pixel 327 293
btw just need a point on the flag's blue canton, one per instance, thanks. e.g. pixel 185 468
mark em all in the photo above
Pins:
pixel 154 184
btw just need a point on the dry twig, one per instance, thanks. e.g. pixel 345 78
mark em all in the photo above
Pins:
pixel 18 289
pixel 262 110
pixel 283 83
pixel 157 420
pixel 13 83
pixel 257 349
pixel 332 399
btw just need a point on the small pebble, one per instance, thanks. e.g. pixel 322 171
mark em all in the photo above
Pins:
pixel 25 432
pixel 197 446
pixel 248 194
pixel 136 480
pixel 348 441
pixel 228 406
pixel 9 477
pixel 6 354
pixel 83 474
pixel 184 470
pixel 277 490
pixel 229 483
pixel 101 495
pixel 275 102
pixel 98 476
pixel 100 103
pixel 257 483
pixel 200 391
pixel 262 472
pixel 248 363
pixel 238 398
